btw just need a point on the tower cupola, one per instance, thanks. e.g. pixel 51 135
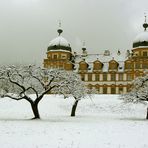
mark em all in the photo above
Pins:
pixel 141 39
pixel 59 43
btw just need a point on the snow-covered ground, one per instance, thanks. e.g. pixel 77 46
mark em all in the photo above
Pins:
pixel 103 122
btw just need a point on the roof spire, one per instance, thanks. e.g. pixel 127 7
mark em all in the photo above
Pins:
pixel 59 29
pixel 84 46
pixel 145 25
pixel 84 51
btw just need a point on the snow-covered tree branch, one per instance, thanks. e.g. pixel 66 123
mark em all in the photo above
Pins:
pixel 72 87
pixel 139 92
pixel 18 82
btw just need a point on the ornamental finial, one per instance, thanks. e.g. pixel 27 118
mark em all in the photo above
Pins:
pixel 59 29
pixel 145 25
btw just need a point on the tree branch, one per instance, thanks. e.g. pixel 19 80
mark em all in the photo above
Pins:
pixel 45 92
pixel 33 90
pixel 14 82
pixel 14 98
pixel 38 80
pixel 50 82
pixel 20 98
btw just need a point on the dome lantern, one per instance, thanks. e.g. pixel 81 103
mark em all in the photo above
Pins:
pixel 141 39
pixel 59 43
pixel 59 29
pixel 145 25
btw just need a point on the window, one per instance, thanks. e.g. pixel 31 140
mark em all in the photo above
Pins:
pixel 83 77
pixel 98 89
pixel 145 54
pixel 63 56
pixel 129 77
pixel 105 90
pixel 49 56
pixel 120 90
pixel 97 66
pixel 104 77
pixel 60 66
pixel 128 66
pixel 113 90
pixel 89 77
pixel 113 77
pixel 97 77
pixel 55 56
pixel 120 77
pixel 137 65
pixel 113 66
pixel 144 65
pixel 83 66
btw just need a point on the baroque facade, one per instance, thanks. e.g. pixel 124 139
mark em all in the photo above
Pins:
pixel 108 72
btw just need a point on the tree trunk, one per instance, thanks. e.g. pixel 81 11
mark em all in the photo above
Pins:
pixel 147 114
pixel 73 111
pixel 35 110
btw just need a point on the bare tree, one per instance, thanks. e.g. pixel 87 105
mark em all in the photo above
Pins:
pixel 19 82
pixel 139 92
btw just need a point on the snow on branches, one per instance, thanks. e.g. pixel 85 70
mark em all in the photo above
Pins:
pixel 18 82
pixel 73 86
pixel 139 92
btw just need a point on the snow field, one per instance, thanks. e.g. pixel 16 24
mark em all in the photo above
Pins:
pixel 100 122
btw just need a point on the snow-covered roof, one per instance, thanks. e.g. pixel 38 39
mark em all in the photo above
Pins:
pixel 141 37
pixel 101 57
pixel 105 59
pixel 140 47
pixel 59 41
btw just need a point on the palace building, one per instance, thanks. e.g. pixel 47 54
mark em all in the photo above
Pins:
pixel 109 72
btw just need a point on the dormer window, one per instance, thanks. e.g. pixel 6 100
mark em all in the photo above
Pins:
pixel 97 65
pixel 113 65
pixel 83 65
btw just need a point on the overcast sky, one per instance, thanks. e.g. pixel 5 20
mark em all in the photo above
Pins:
pixel 27 26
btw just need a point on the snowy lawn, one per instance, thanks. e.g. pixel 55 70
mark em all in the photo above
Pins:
pixel 103 122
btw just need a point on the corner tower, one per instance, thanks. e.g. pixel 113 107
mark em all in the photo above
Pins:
pixel 59 53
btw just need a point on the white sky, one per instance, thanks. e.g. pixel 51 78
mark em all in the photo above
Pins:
pixel 27 26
